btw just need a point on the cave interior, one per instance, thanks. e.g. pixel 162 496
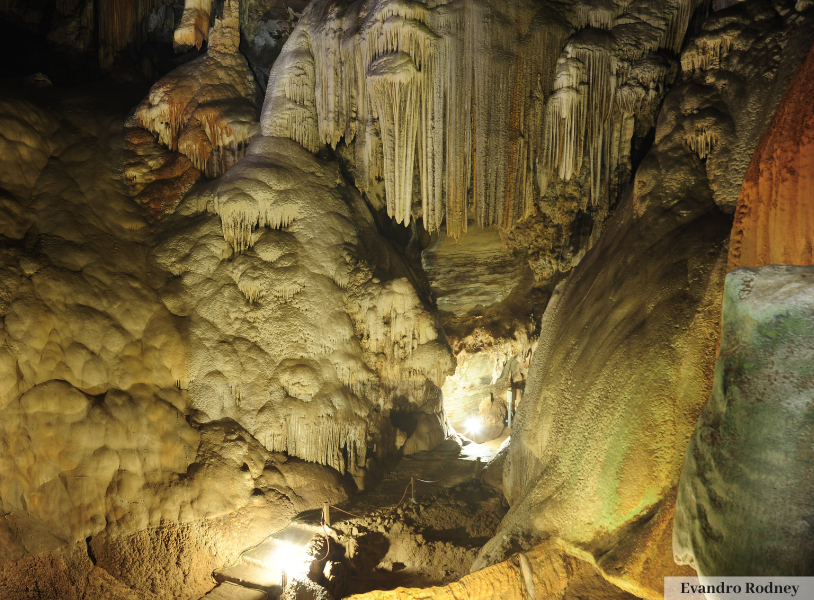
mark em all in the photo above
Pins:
pixel 405 299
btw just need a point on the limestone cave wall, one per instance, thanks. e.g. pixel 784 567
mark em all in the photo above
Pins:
pixel 273 247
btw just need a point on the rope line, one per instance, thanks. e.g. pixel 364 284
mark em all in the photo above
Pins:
pixel 455 472
pixel 364 517
pixel 327 541
pixel 346 512
pixel 400 501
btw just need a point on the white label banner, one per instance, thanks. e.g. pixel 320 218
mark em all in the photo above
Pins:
pixel 738 588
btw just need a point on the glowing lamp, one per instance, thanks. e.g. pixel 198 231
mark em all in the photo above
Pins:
pixel 473 425
pixel 289 558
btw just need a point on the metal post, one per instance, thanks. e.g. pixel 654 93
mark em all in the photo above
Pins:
pixel 326 514
pixel 412 489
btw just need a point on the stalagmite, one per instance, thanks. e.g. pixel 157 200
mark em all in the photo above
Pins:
pixel 207 109
pixel 194 26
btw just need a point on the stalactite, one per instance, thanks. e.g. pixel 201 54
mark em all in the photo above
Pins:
pixel 121 23
pixel 321 441
pixel 212 138
pixel 394 87
pixel 241 213
pixel 251 290
pixel 706 52
pixel 594 53
pixel 702 141
pixel 468 98
pixel 164 117
pixel 286 291
pixel 678 21
pixel 565 123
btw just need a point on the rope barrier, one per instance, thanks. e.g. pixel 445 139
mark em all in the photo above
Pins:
pixel 346 512
pixel 327 541
pixel 364 517
pixel 455 472
pixel 400 501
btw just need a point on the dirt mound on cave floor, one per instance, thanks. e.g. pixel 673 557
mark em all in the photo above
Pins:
pixel 385 540
pixel 431 542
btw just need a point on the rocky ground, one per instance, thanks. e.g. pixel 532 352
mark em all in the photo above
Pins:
pixel 431 542
pixel 391 536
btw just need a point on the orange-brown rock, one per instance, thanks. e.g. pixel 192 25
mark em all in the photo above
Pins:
pixel 158 178
pixel 550 570
pixel 774 222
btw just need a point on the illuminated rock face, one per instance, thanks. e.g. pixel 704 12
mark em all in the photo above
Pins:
pixel 238 351
pixel 622 367
pixel 486 298
pixel 774 222
pixel 137 405
pixel 745 502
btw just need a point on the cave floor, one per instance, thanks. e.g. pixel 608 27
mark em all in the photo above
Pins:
pixel 389 536
pixel 447 466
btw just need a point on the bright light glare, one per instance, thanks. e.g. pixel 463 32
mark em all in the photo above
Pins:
pixel 473 425
pixel 289 557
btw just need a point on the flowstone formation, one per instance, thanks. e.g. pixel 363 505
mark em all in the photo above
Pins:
pixel 626 348
pixel 774 223
pixel 216 315
pixel 745 496
pixel 99 459
pixel 308 340
pixel 208 108
pixel 482 113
